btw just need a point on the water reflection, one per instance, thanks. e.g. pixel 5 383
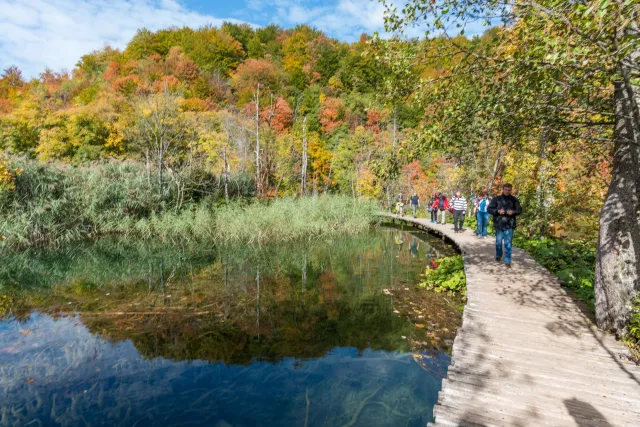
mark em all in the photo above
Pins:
pixel 305 335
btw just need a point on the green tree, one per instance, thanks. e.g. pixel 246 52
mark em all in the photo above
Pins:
pixel 567 69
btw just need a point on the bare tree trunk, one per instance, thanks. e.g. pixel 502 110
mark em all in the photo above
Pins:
pixel 618 256
pixel 226 176
pixel 304 158
pixel 495 172
pixel 258 178
pixel 387 191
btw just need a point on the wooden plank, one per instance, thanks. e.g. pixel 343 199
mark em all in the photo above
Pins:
pixel 526 354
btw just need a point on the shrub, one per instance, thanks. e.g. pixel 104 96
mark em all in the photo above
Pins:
pixel 447 276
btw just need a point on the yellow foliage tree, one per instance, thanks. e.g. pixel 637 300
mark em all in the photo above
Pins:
pixel 7 177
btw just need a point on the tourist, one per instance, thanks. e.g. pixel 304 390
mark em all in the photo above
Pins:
pixel 482 215
pixel 399 205
pixel 415 203
pixel 459 204
pixel 433 209
pixel 443 206
pixel 504 209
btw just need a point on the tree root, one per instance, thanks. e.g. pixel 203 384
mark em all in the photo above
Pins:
pixel 356 414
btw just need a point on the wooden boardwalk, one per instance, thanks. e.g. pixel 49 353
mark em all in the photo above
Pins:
pixel 526 354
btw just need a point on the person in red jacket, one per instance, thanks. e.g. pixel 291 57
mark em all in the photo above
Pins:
pixel 443 207
pixel 433 208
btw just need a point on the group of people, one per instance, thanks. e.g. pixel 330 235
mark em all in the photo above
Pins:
pixel 504 209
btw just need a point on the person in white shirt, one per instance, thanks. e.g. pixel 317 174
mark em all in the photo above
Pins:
pixel 459 205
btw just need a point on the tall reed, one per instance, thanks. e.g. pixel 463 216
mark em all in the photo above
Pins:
pixel 56 204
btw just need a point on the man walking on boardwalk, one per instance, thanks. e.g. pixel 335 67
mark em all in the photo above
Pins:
pixel 415 203
pixel 459 204
pixel 504 209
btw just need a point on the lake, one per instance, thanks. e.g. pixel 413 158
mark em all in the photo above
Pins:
pixel 331 333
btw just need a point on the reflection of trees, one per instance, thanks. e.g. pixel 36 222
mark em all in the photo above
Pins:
pixel 288 332
pixel 232 306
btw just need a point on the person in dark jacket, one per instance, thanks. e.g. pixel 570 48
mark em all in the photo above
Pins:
pixel 504 209
pixel 415 203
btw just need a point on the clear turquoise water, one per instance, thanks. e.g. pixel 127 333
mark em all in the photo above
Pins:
pixel 194 342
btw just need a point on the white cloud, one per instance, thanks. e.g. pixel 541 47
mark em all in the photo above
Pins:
pixel 56 33
pixel 351 18
pixel 344 19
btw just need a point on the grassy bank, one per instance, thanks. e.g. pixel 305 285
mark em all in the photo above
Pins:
pixel 56 204
pixel 279 221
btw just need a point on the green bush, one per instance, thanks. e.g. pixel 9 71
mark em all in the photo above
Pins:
pixel 448 276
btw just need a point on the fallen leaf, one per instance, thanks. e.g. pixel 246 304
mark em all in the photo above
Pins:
pixel 419 325
pixel 30 381
pixel 27 332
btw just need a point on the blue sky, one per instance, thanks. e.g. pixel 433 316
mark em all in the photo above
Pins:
pixel 55 33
